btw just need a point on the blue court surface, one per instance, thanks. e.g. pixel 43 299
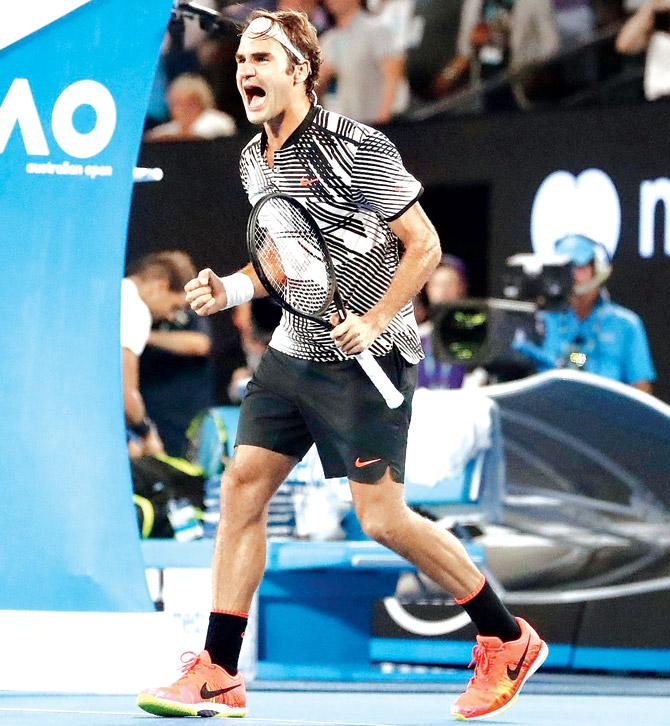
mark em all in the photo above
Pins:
pixel 549 700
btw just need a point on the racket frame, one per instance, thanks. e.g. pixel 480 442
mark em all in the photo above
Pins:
pixel 366 359
pixel 333 294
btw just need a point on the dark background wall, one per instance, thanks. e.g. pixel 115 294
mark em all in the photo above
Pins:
pixel 481 176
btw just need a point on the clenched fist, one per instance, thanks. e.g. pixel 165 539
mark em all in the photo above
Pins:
pixel 206 293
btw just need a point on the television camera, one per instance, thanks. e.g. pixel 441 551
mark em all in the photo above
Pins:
pixel 480 332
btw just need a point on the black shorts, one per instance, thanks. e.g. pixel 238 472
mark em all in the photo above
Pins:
pixel 291 403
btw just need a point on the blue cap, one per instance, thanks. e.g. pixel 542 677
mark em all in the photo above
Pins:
pixel 580 249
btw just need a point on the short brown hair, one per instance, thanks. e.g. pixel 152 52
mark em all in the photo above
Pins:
pixel 302 34
pixel 174 266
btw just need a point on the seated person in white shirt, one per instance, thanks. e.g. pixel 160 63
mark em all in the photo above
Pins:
pixel 152 290
pixel 194 116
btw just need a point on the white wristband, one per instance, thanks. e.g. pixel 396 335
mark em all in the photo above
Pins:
pixel 239 289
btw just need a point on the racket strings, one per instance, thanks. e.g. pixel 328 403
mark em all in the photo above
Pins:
pixel 292 258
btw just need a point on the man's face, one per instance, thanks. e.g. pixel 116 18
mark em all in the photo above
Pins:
pixel 162 302
pixel 263 78
pixel 445 285
pixel 185 107
pixel 583 274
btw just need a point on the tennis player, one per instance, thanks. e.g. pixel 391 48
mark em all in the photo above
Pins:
pixel 308 388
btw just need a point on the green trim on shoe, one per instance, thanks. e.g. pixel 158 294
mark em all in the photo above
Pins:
pixel 174 709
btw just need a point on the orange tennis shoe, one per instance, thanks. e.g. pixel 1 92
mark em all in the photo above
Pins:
pixel 205 689
pixel 501 669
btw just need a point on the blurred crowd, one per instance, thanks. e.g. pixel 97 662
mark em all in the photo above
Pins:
pixel 423 56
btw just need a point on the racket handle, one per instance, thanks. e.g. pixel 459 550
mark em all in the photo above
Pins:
pixel 379 379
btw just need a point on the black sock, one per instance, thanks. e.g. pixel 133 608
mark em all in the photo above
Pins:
pixel 490 616
pixel 224 639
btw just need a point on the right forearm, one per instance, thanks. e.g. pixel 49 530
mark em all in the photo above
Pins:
pixel 636 31
pixel 133 406
pixel 181 342
pixel 133 403
pixel 536 354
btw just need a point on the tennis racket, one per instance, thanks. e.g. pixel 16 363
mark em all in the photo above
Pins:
pixel 292 261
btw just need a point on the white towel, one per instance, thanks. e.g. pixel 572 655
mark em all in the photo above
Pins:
pixel 657 67
pixel 449 427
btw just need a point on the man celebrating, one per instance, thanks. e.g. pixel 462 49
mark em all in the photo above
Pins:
pixel 354 183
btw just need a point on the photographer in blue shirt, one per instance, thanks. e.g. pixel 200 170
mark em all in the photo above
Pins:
pixel 592 334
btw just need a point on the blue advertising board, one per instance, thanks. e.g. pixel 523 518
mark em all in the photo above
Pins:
pixel 75 77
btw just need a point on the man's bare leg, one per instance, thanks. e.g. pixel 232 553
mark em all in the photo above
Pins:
pixel 385 517
pixel 247 486
pixel 210 684
pixel 508 649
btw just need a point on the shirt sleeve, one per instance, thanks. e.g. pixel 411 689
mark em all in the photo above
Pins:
pixel 326 45
pixel 135 321
pixel 244 173
pixel 380 176
pixel 386 42
pixel 251 175
pixel 544 356
pixel 638 363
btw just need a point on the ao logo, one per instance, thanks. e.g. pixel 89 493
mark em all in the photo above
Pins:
pixel 19 107
pixel 587 204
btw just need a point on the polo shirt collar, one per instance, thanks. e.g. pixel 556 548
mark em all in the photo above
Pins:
pixel 295 136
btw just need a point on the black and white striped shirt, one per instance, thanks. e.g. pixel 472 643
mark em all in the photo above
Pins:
pixel 351 178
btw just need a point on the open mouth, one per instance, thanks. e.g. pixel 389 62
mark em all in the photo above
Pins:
pixel 255 97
